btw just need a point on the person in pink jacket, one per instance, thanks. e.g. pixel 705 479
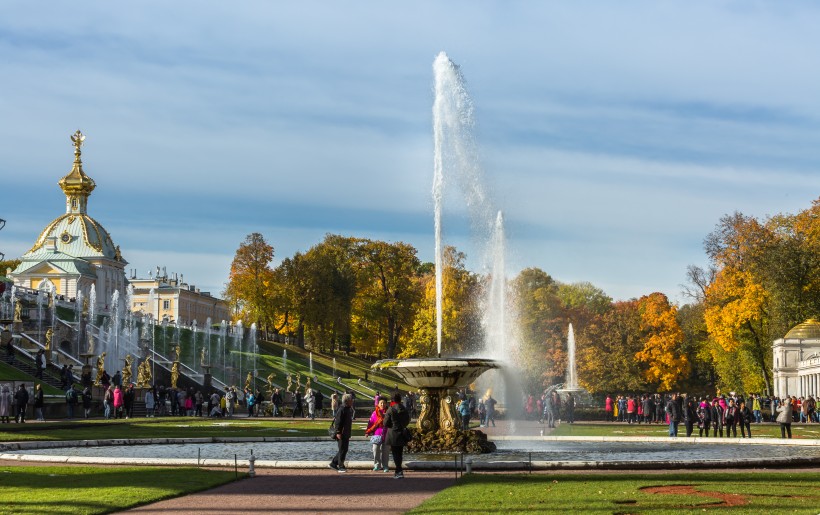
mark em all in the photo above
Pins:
pixel 376 431
pixel 118 402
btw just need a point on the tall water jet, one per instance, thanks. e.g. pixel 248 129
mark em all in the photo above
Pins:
pixel 285 359
pixel 255 347
pixel 496 309
pixel 310 363
pixel 92 304
pixel 572 377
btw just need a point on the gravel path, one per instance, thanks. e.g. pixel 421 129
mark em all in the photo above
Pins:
pixel 311 491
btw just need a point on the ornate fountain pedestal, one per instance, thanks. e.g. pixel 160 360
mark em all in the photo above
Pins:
pixel 435 378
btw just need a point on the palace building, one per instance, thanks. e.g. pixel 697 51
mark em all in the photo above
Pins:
pixel 74 251
pixel 797 361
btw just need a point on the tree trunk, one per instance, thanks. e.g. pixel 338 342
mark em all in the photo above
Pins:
pixel 391 337
pixel 300 335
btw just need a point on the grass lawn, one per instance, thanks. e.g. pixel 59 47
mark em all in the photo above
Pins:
pixel 171 427
pixel 61 490
pixel 764 430
pixel 9 373
pixel 673 493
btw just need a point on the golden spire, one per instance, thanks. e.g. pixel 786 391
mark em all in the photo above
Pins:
pixel 77 186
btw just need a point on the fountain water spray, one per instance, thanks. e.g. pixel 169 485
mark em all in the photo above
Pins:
pixel 572 376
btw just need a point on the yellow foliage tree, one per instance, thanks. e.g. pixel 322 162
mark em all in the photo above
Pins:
pixel 662 340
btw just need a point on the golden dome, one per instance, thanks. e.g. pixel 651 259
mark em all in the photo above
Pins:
pixel 808 330
pixel 77 182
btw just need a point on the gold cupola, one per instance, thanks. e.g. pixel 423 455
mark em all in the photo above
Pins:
pixel 77 186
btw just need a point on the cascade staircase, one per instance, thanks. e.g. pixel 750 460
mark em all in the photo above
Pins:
pixel 30 369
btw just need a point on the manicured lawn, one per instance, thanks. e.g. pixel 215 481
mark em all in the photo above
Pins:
pixel 673 493
pixel 64 490
pixel 765 430
pixel 9 373
pixel 172 427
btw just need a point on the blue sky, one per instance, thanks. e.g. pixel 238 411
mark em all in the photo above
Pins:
pixel 613 134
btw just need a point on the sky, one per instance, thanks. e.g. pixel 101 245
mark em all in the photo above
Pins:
pixel 613 135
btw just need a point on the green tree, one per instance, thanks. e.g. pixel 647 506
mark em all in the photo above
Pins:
pixel 390 290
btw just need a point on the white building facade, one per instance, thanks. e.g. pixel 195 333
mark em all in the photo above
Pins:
pixel 797 361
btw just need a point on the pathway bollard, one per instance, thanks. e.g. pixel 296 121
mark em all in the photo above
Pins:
pixel 469 464
pixel 251 460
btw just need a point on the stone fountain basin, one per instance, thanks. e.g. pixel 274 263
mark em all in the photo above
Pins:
pixel 437 372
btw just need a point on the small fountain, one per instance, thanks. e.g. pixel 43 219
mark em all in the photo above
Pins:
pixel 285 359
pixel 310 363
pixel 334 368
pixel 571 385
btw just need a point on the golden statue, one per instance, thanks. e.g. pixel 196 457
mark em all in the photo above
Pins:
pixel 298 380
pixel 178 352
pixel 307 384
pixel 290 383
pixel 248 380
pixel 18 312
pixel 270 383
pixel 90 343
pixel 100 369
pixel 174 374
pixel 144 374
pixel 126 371
pixel 49 336
pixel 202 357
pixel 85 306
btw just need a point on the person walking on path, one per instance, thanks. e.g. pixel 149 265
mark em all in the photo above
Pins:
pixel 375 430
pixel 21 400
pixel 464 411
pixel 118 402
pixel 6 404
pixel 38 403
pixel 40 364
pixel 86 401
pixel 744 419
pixel 490 404
pixel 396 421
pixel 673 410
pixel 344 427
pixel 784 417
pixel 71 401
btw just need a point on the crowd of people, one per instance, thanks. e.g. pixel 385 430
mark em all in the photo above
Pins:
pixel 716 416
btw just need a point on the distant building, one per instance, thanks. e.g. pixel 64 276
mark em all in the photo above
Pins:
pixel 176 301
pixel 74 251
pixel 797 361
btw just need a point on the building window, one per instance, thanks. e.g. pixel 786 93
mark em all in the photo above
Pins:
pixel 166 304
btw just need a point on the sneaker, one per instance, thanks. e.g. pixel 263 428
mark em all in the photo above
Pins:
pixel 386 469
pixel 334 467
pixel 376 467
pixel 341 470
pixel 399 475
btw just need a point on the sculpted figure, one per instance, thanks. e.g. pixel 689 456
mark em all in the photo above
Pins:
pixel 90 344
pixel 18 312
pixel 202 357
pixel 174 374
pixel 126 372
pixel 49 337
pixel 248 380
pixel 100 369
pixel 270 383
pixel 290 383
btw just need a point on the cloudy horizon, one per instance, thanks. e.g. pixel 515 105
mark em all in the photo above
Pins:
pixel 614 136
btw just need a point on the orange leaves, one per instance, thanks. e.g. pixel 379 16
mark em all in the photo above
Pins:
pixel 662 340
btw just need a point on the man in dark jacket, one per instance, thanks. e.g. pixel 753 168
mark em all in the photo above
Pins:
pixel 344 426
pixel 21 400
pixel 396 421
pixel 674 411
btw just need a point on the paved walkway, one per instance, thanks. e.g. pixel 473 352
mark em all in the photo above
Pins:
pixel 311 491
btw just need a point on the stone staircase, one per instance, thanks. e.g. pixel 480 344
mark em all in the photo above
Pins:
pixel 29 368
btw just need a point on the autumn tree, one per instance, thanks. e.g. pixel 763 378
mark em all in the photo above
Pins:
pixel 606 349
pixel 390 290
pixel 250 277
pixel 662 338
pixel 461 311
